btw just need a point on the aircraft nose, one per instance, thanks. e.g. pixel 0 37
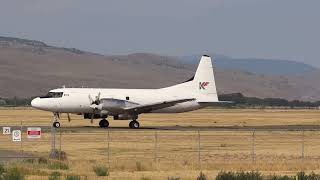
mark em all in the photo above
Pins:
pixel 35 102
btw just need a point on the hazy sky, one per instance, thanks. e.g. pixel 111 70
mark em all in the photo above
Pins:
pixel 283 29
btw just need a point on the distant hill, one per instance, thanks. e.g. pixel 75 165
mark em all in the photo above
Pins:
pixel 30 68
pixel 257 66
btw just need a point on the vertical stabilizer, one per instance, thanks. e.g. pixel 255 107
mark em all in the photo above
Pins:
pixel 204 81
pixel 202 86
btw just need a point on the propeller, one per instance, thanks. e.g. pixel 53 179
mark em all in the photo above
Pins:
pixel 94 105
pixel 96 101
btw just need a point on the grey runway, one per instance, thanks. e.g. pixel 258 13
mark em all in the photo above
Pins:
pixel 183 128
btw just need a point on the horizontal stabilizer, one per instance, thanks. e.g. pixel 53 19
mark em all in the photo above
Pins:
pixel 216 103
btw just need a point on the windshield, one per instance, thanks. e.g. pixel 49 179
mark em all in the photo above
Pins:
pixel 53 95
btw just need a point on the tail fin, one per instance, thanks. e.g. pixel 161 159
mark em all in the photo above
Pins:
pixel 204 81
pixel 202 86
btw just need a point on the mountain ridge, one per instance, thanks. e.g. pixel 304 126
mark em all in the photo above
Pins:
pixel 257 65
pixel 28 70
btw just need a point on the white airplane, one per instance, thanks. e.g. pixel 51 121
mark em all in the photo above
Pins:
pixel 126 104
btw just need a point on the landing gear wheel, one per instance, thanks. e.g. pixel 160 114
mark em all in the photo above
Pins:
pixel 104 123
pixel 134 124
pixel 130 124
pixel 56 124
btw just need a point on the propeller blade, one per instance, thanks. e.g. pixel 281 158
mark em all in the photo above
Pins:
pixel 94 104
pixel 69 119
pixel 98 97
pixel 92 116
pixel 90 99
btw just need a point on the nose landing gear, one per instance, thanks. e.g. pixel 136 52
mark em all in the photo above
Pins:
pixel 56 118
pixel 56 124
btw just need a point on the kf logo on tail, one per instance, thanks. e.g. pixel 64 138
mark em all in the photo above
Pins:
pixel 203 85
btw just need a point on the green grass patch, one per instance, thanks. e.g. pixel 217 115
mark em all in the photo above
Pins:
pixel 253 175
pixel 2 170
pixel 73 177
pixel 13 173
pixel 55 176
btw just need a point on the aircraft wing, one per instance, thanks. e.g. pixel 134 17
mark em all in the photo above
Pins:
pixel 216 103
pixel 155 106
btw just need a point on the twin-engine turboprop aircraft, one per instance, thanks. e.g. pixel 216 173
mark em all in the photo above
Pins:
pixel 126 104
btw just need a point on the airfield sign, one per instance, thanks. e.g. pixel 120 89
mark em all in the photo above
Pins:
pixel 6 130
pixel 16 136
pixel 34 132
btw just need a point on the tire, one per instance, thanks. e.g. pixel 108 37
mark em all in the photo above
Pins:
pixel 135 125
pixel 104 123
pixel 56 124
pixel 130 124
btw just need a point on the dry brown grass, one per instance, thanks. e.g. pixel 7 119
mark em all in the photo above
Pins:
pixel 177 151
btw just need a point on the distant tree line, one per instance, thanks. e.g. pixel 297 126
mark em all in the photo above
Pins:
pixel 15 101
pixel 238 100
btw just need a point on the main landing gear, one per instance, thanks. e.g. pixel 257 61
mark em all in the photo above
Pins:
pixel 134 124
pixel 104 123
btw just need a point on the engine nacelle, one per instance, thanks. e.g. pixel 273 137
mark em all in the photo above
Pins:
pixel 115 105
pixel 95 116
pixel 123 117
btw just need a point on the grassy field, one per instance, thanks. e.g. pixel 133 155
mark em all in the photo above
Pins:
pixel 161 154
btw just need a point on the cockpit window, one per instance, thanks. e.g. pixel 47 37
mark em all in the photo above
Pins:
pixel 53 95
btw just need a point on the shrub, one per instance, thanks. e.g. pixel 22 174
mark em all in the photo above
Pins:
pixel 312 176
pixel 13 173
pixel 31 161
pixel 42 160
pixel 276 177
pixel 253 175
pixel 101 171
pixel 226 176
pixel 55 176
pixel 58 165
pixel 2 170
pixel 72 177
pixel 202 176
pixel 239 176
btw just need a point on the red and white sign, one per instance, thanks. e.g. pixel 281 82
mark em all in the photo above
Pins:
pixel 34 132
pixel 16 136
